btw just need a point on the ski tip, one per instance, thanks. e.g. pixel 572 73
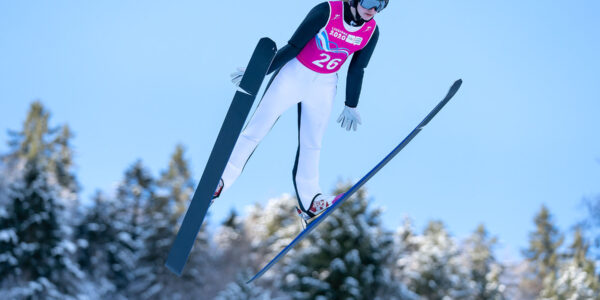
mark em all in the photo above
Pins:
pixel 260 273
pixel 173 269
pixel 251 279
pixel 457 83
pixel 265 38
pixel 268 41
pixel 454 88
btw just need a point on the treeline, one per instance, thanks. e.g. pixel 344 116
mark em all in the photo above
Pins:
pixel 53 246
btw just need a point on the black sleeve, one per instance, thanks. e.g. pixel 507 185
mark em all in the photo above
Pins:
pixel 356 70
pixel 315 20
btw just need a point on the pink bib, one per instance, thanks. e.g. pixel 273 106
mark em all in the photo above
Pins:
pixel 329 49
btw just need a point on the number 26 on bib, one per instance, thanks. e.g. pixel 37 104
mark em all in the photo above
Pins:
pixel 327 62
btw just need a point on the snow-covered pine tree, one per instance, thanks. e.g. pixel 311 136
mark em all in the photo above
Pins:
pixel 44 251
pixel 477 254
pixel 234 248
pixel 32 142
pixel 435 271
pixel 347 257
pixel 576 278
pixel 512 279
pixel 406 244
pixel 36 212
pixel 53 145
pixel 579 252
pixel 273 226
pixel 197 279
pixel 134 192
pixel 159 221
pixel 240 290
pixel 156 234
pixel 405 239
pixel 3 184
pixel 592 224
pixel 101 252
pixel 248 243
pixel 8 235
pixel 60 166
pixel 177 185
pixel 542 253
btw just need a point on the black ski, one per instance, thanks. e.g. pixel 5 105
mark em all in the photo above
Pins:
pixel 453 89
pixel 230 130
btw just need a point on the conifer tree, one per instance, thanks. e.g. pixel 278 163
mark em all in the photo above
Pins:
pixel 133 194
pixel 253 240
pixel 156 235
pixel 8 235
pixel 52 145
pixel 33 141
pixel 159 223
pixel 240 290
pixel 198 278
pixel 234 247
pixel 177 185
pixel 576 278
pixel 61 165
pixel 34 222
pixel 484 268
pixel 542 253
pixel 592 224
pixel 406 246
pixel 271 227
pixel 435 270
pixel 579 252
pixel 405 238
pixel 43 251
pixel 102 255
pixel 347 257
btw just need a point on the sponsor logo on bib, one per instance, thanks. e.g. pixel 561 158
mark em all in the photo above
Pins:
pixel 354 40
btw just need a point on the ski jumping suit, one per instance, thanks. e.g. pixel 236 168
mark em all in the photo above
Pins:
pixel 307 76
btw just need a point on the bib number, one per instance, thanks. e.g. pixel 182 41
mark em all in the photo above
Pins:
pixel 331 63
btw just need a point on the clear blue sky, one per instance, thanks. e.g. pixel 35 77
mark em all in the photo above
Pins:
pixel 134 78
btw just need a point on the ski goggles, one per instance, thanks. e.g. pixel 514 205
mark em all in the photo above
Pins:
pixel 378 5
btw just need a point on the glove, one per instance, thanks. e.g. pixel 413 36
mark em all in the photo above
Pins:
pixel 349 118
pixel 236 76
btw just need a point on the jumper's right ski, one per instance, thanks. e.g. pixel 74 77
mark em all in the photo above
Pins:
pixel 230 130
pixel 362 181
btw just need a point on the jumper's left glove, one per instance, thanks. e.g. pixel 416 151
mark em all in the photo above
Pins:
pixel 349 118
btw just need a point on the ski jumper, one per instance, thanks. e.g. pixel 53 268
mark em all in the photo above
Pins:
pixel 307 76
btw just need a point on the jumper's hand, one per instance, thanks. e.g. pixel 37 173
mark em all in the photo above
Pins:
pixel 236 76
pixel 349 118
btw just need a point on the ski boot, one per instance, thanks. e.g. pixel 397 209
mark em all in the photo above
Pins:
pixel 318 206
pixel 217 191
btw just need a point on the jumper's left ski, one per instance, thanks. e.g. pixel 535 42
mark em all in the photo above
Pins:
pixel 453 89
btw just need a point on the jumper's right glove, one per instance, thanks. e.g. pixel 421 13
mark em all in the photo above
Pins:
pixel 349 118
pixel 236 76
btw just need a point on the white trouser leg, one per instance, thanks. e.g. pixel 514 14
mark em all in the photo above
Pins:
pixel 281 94
pixel 314 115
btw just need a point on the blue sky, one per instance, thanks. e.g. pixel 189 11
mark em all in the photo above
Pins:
pixel 133 79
